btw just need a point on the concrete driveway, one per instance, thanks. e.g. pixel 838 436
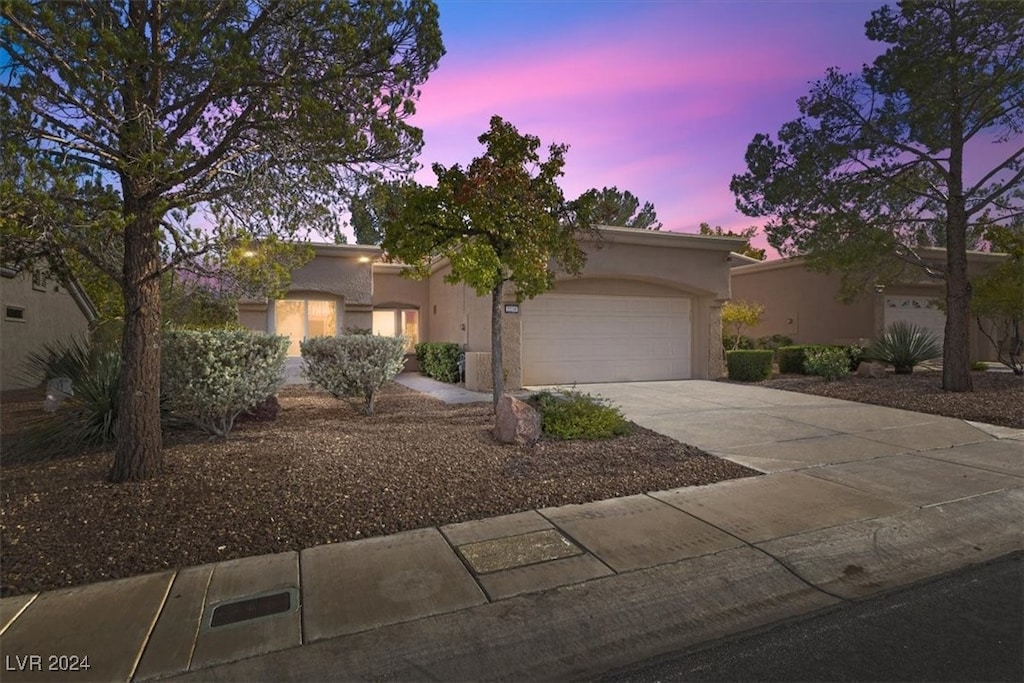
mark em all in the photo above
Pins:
pixel 771 430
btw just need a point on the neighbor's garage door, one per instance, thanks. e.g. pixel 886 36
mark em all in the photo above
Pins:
pixel 586 338
pixel 919 310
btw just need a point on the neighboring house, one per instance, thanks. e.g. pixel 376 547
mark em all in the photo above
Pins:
pixel 803 304
pixel 646 307
pixel 36 312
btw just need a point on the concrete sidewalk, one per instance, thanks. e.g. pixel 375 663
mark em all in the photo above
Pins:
pixel 858 499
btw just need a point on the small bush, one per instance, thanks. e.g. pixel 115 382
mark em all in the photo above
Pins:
pixel 855 355
pixel 979 366
pixel 575 415
pixel 904 345
pixel 773 342
pixel 356 365
pixel 439 360
pixel 831 363
pixel 749 365
pixel 210 377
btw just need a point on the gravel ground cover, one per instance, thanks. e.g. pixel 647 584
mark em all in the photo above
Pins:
pixel 998 397
pixel 321 473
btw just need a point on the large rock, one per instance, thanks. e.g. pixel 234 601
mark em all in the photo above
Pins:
pixel 516 422
pixel 871 369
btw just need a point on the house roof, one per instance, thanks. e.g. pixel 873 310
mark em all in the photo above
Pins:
pixel 666 238
pixel 618 235
pixel 937 254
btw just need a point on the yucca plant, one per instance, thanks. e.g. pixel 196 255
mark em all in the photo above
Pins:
pixel 904 345
pixel 88 418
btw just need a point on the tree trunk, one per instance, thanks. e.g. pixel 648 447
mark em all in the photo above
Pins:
pixel 138 454
pixel 497 371
pixel 956 355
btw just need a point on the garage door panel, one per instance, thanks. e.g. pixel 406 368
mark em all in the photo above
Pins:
pixel 917 310
pixel 587 338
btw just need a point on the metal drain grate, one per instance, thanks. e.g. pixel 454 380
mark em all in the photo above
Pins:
pixel 251 608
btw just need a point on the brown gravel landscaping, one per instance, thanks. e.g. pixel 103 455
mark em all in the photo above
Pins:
pixel 321 473
pixel 998 397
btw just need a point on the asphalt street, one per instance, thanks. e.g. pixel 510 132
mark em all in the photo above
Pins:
pixel 964 626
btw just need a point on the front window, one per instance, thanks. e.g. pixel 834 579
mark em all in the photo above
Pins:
pixel 392 322
pixel 302 319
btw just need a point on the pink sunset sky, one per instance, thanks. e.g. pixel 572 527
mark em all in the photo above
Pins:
pixel 659 98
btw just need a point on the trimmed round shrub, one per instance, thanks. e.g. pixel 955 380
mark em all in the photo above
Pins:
pixel 209 377
pixel 749 365
pixel 904 345
pixel 353 366
pixel 831 363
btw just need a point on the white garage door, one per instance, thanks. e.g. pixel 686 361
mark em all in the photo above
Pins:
pixel 584 338
pixel 918 310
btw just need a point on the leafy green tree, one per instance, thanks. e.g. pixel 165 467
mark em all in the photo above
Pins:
pixel 999 297
pixel 145 115
pixel 875 165
pixel 620 208
pixel 503 219
pixel 747 233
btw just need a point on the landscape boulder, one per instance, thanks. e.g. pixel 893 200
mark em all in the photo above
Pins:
pixel 871 370
pixel 516 422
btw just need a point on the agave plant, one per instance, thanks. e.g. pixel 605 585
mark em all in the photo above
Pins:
pixel 88 417
pixel 904 345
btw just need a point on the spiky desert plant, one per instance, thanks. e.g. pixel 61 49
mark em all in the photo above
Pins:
pixel 904 345
pixel 87 418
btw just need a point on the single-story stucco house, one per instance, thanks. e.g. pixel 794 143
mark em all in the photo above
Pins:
pixel 804 304
pixel 646 307
pixel 36 311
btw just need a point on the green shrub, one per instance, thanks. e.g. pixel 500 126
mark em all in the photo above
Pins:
pixel 773 342
pixel 855 355
pixel 904 345
pixel 575 415
pixel 730 342
pixel 355 365
pixel 791 359
pixel 209 377
pixel 749 365
pixel 88 418
pixel 979 366
pixel 439 360
pixel 831 363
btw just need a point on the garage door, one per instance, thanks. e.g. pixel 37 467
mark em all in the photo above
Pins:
pixel 919 310
pixel 584 338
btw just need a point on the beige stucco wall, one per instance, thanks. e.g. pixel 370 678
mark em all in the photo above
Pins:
pixel 342 270
pixel 50 315
pixel 391 290
pixel 624 263
pixel 803 304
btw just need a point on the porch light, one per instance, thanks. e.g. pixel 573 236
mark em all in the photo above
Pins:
pixel 364 259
